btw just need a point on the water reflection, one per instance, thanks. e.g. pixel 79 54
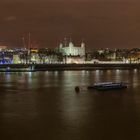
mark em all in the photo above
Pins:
pixel 40 104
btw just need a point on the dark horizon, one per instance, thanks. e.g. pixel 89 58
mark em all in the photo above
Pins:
pixel 100 23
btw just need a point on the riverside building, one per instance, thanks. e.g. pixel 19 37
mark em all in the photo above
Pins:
pixel 72 53
pixel 71 49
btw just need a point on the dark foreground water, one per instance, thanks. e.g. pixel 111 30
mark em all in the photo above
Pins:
pixel 44 106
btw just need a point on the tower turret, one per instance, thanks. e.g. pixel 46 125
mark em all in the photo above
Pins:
pixel 60 46
pixel 71 44
pixel 82 45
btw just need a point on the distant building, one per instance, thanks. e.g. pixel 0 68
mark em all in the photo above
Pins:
pixel 2 47
pixel 71 49
pixel 16 59
pixel 74 60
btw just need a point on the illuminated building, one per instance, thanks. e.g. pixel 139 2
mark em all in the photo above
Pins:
pixel 34 57
pixel 74 60
pixel 2 47
pixel 72 53
pixel 16 59
pixel 71 49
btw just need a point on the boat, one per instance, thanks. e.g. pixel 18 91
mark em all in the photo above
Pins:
pixel 108 86
pixel 96 85
pixel 113 86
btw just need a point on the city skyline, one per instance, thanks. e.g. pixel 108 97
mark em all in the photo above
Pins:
pixel 101 23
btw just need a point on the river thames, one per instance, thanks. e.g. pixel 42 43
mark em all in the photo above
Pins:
pixel 45 106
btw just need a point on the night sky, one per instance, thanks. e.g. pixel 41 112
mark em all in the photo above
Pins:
pixel 100 23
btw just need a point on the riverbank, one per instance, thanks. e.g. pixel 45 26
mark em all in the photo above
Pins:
pixel 52 67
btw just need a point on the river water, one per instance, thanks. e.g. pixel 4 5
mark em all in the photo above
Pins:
pixel 45 106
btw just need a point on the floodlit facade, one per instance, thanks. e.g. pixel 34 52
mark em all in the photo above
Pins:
pixel 74 60
pixel 72 50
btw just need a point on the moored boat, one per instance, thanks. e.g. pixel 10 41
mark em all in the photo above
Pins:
pixel 113 86
pixel 96 85
pixel 108 86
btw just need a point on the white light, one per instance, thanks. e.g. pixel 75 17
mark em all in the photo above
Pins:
pixel 117 70
pixel 135 70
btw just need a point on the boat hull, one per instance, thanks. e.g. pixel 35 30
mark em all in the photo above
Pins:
pixel 111 88
pixel 108 86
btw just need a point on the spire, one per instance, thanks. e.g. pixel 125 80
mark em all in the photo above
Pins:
pixel 29 44
pixel 65 42
pixel 82 40
pixel 70 39
pixel 82 43
pixel 23 41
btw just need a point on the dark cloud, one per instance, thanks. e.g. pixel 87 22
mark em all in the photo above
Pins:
pixel 101 23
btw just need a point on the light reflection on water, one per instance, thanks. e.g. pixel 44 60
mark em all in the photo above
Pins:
pixel 44 105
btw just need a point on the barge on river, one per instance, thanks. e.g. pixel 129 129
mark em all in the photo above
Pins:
pixel 108 86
